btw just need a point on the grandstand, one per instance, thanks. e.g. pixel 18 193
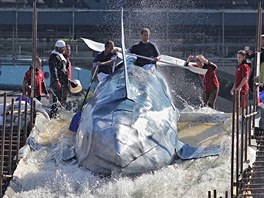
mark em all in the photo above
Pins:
pixel 216 28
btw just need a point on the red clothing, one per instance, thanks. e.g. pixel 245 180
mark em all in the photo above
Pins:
pixel 69 67
pixel 243 100
pixel 39 77
pixel 242 71
pixel 210 79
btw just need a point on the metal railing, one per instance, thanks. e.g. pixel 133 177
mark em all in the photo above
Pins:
pixel 14 134
pixel 243 129
pixel 215 194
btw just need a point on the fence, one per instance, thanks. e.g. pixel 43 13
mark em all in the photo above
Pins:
pixel 14 133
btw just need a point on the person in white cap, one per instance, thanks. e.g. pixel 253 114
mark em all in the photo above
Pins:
pixel 58 73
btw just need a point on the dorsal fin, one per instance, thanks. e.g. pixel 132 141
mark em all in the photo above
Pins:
pixel 127 84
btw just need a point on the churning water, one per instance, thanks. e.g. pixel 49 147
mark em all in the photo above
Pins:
pixel 43 173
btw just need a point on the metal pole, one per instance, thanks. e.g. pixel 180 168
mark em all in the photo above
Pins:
pixel 13 41
pixel 237 137
pixel 167 32
pixel 34 47
pixel 3 146
pixel 73 31
pixel 258 40
pixel 215 195
pixel 16 33
pixel 223 36
pixel 18 130
pixel 73 22
pixel 246 132
pixel 11 138
pixel 257 59
pixel 242 133
pixel 250 124
pixel 25 123
pixel 233 145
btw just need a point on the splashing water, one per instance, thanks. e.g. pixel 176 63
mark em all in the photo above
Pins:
pixel 160 16
pixel 44 173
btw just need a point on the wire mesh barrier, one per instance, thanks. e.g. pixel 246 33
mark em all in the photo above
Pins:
pixel 17 121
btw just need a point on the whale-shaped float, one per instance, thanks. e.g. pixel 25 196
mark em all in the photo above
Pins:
pixel 135 134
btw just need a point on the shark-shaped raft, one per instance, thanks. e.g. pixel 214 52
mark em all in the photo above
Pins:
pixel 133 133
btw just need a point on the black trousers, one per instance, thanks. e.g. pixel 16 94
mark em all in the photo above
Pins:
pixel 209 98
pixel 61 95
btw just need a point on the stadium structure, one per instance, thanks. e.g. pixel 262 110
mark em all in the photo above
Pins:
pixel 217 29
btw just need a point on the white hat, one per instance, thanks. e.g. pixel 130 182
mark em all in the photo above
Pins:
pixel 77 88
pixel 60 43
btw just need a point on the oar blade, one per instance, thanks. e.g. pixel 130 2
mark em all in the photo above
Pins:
pixel 94 45
pixel 172 61
pixel 74 125
pixel 197 70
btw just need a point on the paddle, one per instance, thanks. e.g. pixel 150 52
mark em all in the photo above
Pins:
pixel 99 47
pixel 74 125
pixel 165 59
pixel 89 86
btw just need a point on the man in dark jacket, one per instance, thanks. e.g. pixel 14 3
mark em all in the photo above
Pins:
pixel 145 48
pixel 105 61
pixel 58 73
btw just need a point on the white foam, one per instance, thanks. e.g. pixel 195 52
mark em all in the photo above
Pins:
pixel 45 174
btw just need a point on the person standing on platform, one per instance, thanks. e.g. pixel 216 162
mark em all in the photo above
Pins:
pixel 40 85
pixel 249 60
pixel 210 80
pixel 145 48
pixel 105 61
pixel 59 82
pixel 241 78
